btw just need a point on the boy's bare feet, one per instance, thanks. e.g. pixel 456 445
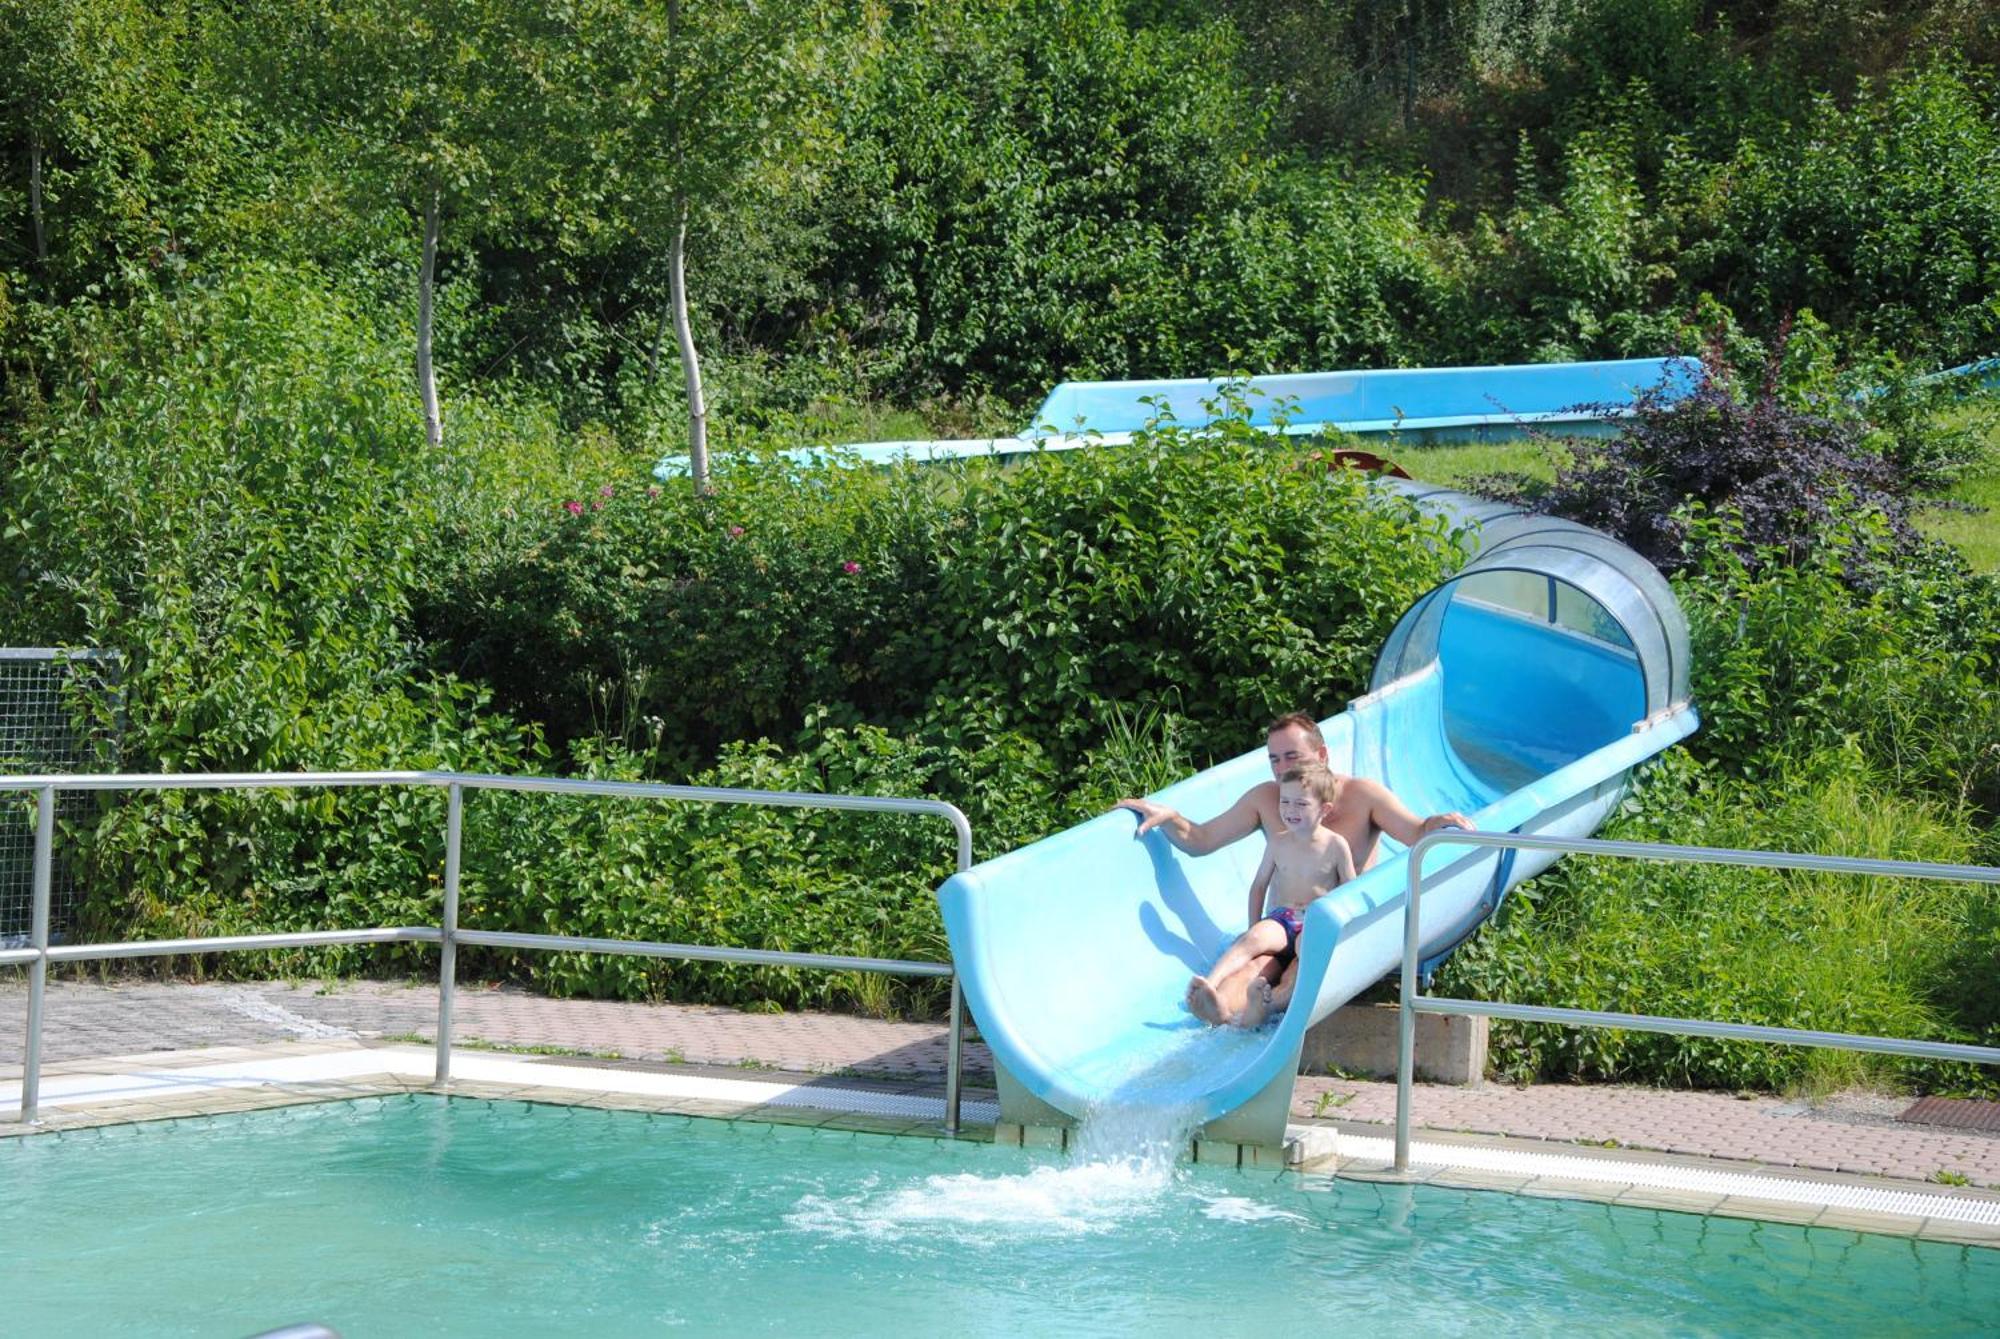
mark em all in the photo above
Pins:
pixel 1203 1002
pixel 1257 1006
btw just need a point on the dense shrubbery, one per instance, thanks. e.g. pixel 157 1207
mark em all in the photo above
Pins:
pixel 213 485
pixel 223 487
pixel 1882 957
pixel 1198 570
pixel 1004 195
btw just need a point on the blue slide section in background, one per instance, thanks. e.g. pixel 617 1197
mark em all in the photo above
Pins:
pixel 1419 403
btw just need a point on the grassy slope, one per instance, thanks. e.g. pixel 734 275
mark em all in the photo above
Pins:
pixel 1976 533
pixel 1462 466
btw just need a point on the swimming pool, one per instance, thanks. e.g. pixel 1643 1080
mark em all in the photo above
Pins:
pixel 423 1214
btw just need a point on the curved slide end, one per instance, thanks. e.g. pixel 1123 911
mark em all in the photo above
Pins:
pixel 1075 952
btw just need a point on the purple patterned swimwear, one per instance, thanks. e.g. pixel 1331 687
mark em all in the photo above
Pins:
pixel 1293 921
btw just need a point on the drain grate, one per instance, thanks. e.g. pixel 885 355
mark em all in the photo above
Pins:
pixel 1957 1112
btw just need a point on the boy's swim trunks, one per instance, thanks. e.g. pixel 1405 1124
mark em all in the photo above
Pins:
pixel 1292 919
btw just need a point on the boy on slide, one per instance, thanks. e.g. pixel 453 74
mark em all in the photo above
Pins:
pixel 1301 864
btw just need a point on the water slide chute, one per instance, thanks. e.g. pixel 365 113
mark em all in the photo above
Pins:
pixel 1522 691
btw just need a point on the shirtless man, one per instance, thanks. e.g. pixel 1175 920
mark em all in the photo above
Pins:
pixel 1302 864
pixel 1362 810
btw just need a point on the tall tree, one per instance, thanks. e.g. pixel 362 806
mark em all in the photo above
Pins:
pixel 698 101
pixel 444 106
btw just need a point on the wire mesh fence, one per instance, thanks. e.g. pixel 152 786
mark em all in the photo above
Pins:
pixel 59 712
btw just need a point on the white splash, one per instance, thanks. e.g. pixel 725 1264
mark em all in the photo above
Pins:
pixel 1123 1164
pixel 1071 1200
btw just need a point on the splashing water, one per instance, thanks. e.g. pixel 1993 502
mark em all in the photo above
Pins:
pixel 1122 1166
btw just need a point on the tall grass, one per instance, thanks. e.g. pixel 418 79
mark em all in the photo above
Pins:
pixel 1804 950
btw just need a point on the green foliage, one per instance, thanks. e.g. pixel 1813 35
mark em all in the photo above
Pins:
pixel 1030 192
pixel 1564 277
pixel 114 146
pixel 217 488
pixel 1229 578
pixel 697 619
pixel 1792 661
pixel 1200 569
pixel 1882 217
pixel 1894 958
pixel 763 877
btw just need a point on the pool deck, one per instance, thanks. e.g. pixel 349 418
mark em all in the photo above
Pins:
pixel 152 1050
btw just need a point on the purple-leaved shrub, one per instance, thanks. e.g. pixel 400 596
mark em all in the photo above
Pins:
pixel 1791 473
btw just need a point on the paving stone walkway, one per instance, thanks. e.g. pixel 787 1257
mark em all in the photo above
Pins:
pixel 1855 1133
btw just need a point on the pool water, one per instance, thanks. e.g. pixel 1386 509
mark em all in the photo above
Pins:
pixel 424 1215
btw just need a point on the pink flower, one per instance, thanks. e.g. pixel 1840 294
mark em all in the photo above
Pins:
pixel 850 567
pixel 652 492
pixel 605 491
pixel 573 507
pixel 597 505
pixel 736 532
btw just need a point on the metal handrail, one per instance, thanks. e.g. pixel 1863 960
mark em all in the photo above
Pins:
pixel 1412 1004
pixel 38 955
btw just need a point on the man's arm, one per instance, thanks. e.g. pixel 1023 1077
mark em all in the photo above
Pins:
pixel 1343 859
pixel 1394 817
pixel 1236 822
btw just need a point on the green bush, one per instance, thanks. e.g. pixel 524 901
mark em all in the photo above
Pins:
pixel 1883 217
pixel 805 880
pixel 1894 958
pixel 1222 577
pixel 679 621
pixel 1201 569
pixel 1791 661
pixel 228 488
pixel 1031 193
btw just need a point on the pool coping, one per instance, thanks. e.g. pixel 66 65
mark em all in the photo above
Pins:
pixel 218 1080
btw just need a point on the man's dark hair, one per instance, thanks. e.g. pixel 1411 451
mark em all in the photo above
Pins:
pixel 1303 721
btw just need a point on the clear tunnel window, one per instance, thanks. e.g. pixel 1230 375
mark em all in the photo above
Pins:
pixel 1543 598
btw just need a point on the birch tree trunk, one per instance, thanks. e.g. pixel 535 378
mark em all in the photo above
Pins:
pixel 35 196
pixel 426 279
pixel 690 360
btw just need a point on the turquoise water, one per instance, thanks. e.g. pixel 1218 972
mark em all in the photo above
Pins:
pixel 421 1215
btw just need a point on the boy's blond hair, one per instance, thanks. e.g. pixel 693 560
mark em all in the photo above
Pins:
pixel 1315 779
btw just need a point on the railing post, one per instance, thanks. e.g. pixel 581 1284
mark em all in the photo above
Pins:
pixel 951 1064
pixel 454 822
pixel 952 1084
pixel 1406 1017
pixel 38 939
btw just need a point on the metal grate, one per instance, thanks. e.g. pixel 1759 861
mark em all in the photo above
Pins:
pixel 1954 1112
pixel 59 712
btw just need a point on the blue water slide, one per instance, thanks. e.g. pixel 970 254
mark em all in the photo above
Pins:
pixel 1417 404
pixel 1522 691
pixel 1411 401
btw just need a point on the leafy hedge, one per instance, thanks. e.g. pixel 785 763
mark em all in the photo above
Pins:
pixel 220 487
pixel 1883 957
pixel 1198 570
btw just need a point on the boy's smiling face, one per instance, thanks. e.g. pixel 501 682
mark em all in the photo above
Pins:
pixel 1298 808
